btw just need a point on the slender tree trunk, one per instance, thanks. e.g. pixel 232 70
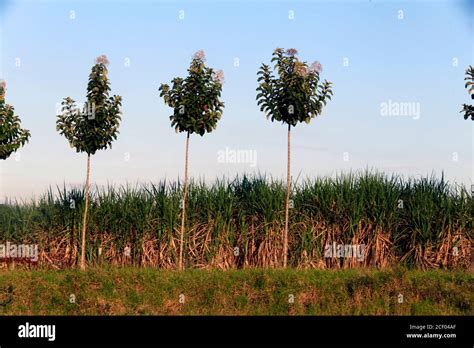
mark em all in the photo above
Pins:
pixel 183 212
pixel 84 222
pixel 287 204
pixel 71 240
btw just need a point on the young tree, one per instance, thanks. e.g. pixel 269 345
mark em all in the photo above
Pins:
pixel 468 110
pixel 295 95
pixel 196 109
pixel 12 136
pixel 92 129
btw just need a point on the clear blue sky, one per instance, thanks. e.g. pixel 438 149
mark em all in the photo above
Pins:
pixel 409 60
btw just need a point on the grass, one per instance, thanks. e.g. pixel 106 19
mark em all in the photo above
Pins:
pixel 231 224
pixel 145 291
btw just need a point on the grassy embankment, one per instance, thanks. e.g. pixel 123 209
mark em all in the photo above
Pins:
pixel 143 291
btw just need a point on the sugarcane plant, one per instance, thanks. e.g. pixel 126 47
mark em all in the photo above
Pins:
pixel 93 128
pixel 291 93
pixel 468 110
pixel 12 136
pixel 197 108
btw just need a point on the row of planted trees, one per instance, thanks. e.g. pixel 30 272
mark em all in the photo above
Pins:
pixel 290 92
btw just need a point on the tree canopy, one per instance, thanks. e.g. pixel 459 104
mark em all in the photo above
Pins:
pixel 96 126
pixel 12 136
pixel 295 94
pixel 195 99
pixel 468 110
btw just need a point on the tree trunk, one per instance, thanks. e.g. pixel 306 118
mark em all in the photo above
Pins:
pixel 84 223
pixel 71 240
pixel 183 212
pixel 287 204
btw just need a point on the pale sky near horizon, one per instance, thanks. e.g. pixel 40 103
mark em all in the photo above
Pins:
pixel 378 54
